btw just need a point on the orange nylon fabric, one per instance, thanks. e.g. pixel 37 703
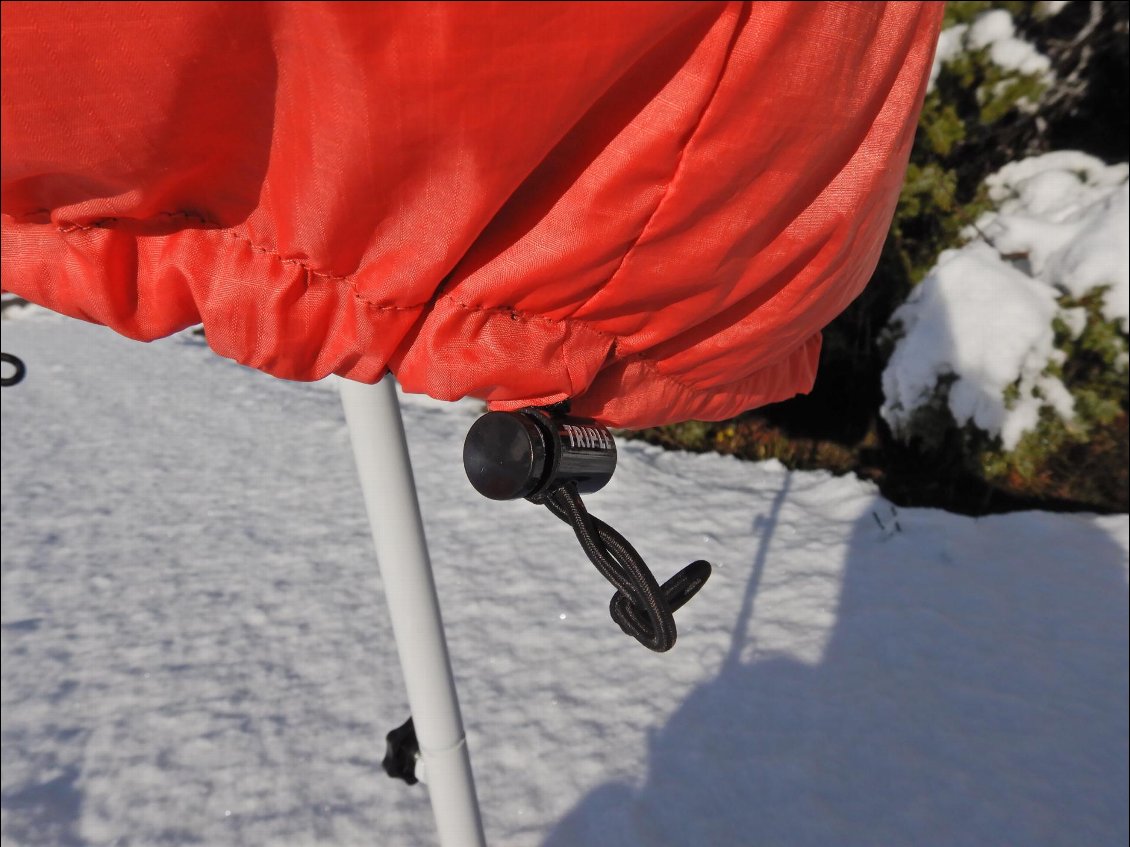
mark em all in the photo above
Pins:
pixel 650 208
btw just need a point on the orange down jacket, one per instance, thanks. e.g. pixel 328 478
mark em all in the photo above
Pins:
pixel 649 208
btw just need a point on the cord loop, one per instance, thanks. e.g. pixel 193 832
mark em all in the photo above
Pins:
pixel 641 607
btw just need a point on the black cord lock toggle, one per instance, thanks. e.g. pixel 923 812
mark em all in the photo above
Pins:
pixel 551 458
pixel 402 751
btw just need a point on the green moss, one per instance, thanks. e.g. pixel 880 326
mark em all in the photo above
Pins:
pixel 942 128
pixel 688 435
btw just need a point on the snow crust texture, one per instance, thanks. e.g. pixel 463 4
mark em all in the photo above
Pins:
pixel 196 651
pixel 978 331
pixel 995 31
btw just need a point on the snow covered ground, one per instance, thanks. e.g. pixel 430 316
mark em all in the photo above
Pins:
pixel 195 648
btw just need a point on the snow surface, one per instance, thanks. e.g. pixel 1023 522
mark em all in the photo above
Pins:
pixel 1068 215
pixel 195 648
pixel 995 31
pixel 981 321
pixel 951 41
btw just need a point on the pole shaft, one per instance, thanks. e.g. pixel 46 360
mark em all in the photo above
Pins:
pixel 381 451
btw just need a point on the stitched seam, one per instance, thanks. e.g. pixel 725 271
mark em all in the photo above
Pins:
pixel 107 224
pixel 514 314
pixel 267 251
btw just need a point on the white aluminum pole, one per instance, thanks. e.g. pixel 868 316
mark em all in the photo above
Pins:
pixel 381 451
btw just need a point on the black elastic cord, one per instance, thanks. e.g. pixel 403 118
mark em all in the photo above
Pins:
pixel 643 608
pixel 17 374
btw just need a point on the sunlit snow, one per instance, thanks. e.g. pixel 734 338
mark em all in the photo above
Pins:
pixel 196 650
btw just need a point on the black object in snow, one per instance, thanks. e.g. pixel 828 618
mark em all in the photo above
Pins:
pixel 17 375
pixel 551 459
pixel 401 752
